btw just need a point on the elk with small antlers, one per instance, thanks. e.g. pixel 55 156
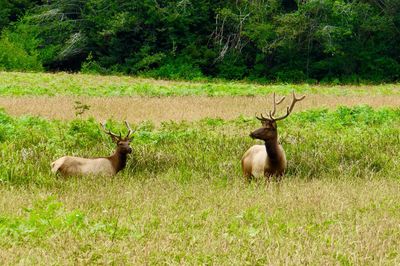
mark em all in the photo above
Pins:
pixel 268 159
pixel 70 165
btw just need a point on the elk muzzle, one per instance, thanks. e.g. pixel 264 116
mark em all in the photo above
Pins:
pixel 258 133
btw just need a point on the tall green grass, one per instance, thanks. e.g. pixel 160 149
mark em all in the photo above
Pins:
pixel 358 141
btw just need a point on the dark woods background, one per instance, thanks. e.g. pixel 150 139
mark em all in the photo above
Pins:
pixel 340 41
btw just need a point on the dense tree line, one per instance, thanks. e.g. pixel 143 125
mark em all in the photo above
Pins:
pixel 266 40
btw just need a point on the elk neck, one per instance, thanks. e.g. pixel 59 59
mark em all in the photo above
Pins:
pixel 118 160
pixel 273 151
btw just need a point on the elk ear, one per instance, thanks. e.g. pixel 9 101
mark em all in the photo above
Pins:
pixel 273 125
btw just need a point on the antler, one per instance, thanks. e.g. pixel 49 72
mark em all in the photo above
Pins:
pixel 271 113
pixel 275 104
pixel 290 108
pixel 113 135
pixel 130 131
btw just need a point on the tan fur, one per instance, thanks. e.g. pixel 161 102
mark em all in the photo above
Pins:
pixel 69 165
pixel 268 159
pixel 256 163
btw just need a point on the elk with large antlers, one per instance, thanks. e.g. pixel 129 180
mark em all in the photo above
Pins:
pixel 70 165
pixel 268 159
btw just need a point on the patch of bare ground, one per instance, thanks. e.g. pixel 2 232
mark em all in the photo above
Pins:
pixel 188 108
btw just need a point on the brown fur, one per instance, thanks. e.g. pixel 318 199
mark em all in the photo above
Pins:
pixel 276 159
pixel 271 159
pixel 118 160
pixel 69 165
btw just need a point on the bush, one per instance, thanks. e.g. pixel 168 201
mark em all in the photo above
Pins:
pixel 176 69
pixel 292 76
pixel 90 66
pixel 232 67
pixel 13 56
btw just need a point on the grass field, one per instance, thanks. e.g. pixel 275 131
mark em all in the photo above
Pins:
pixel 176 108
pixel 39 84
pixel 181 198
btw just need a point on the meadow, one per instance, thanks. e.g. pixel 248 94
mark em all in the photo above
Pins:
pixel 182 199
pixel 47 84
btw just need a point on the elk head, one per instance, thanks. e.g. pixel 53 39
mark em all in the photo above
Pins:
pixel 122 142
pixel 268 131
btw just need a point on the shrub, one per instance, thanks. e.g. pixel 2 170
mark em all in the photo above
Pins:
pixel 176 69
pixel 293 76
pixel 90 66
pixel 14 56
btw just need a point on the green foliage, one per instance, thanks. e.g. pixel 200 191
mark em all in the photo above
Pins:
pixel 89 66
pixel 291 76
pixel 182 195
pixel 176 69
pixel 268 40
pixel 17 52
pixel 48 217
pixel 24 84
pixel 232 67
pixel 358 140
pixel 12 10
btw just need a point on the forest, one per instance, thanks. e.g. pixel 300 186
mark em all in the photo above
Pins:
pixel 333 41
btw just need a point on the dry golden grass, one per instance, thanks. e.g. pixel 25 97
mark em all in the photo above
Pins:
pixel 318 222
pixel 189 108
